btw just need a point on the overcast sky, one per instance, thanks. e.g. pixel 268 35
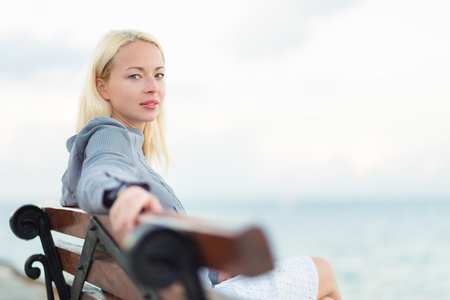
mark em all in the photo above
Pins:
pixel 301 100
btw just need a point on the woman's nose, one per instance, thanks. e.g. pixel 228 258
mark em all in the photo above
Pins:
pixel 150 85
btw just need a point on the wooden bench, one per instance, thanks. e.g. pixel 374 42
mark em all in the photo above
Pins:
pixel 160 260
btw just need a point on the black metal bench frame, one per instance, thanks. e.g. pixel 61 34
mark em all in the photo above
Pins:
pixel 154 261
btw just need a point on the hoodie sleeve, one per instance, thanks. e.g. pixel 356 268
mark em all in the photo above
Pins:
pixel 101 159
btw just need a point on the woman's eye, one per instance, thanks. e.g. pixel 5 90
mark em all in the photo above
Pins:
pixel 134 76
pixel 159 75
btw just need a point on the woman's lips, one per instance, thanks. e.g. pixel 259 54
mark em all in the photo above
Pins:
pixel 151 104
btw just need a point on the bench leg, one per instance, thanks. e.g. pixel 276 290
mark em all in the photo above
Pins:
pixel 34 272
pixel 28 222
pixel 85 262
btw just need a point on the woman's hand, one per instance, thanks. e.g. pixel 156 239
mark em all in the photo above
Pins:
pixel 131 203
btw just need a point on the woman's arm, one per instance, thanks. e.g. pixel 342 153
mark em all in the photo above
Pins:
pixel 103 151
pixel 101 165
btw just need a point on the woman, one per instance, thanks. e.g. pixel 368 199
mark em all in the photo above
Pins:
pixel 120 134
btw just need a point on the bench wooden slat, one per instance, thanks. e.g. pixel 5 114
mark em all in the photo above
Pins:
pixel 69 221
pixel 238 250
pixel 102 263
pixel 245 254
pixel 97 294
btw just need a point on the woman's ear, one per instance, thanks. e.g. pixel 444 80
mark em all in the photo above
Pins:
pixel 101 88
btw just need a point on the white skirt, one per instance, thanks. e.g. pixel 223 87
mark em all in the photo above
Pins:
pixel 294 278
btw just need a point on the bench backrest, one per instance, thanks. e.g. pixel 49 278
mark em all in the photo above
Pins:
pixel 93 256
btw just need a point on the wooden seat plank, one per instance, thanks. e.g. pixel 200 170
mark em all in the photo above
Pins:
pixel 97 294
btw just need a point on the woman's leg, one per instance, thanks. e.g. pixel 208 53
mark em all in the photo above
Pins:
pixel 328 287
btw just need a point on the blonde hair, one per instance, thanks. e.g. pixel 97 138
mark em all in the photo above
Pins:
pixel 92 105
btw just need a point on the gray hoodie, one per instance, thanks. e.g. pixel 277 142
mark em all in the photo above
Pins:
pixel 104 155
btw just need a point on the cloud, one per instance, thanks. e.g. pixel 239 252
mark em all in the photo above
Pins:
pixel 23 55
pixel 272 28
pixel 323 7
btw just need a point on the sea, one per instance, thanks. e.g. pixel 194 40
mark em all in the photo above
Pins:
pixel 378 250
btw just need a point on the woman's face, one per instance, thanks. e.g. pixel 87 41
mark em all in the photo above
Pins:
pixel 136 87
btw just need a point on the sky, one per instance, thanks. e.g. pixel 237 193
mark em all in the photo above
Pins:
pixel 283 101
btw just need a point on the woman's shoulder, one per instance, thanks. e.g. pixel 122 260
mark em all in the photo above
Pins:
pixel 100 132
pixel 102 122
pixel 102 126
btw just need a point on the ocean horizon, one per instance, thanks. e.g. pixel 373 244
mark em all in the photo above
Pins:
pixel 388 250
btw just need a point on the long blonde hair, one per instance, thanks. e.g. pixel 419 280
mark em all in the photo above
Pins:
pixel 92 105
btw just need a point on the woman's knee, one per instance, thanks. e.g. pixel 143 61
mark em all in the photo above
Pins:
pixel 328 286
